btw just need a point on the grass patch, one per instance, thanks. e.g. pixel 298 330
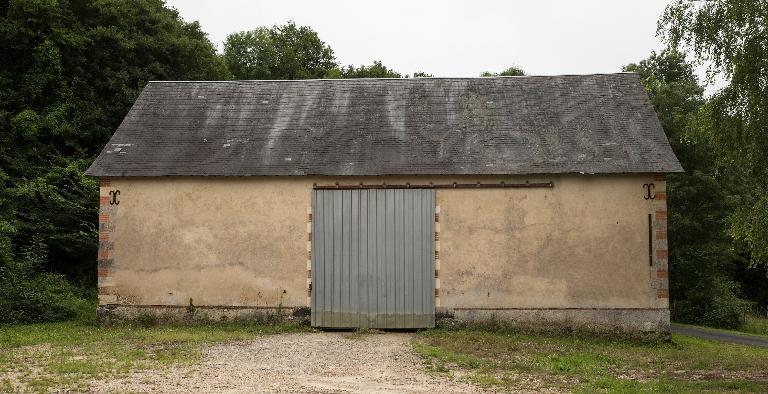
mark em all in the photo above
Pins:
pixel 743 331
pixel 66 356
pixel 755 325
pixel 516 361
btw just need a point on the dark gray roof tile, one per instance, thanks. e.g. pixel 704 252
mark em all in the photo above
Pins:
pixel 507 125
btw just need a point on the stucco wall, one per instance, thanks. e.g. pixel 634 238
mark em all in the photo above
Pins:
pixel 243 242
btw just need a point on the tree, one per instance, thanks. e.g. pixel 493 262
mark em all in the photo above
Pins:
pixel 702 261
pixel 732 37
pixel 280 52
pixel 69 72
pixel 251 54
pixel 509 72
pixel 376 70
pixel 676 95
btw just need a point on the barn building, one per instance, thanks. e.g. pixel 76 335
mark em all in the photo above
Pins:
pixel 387 202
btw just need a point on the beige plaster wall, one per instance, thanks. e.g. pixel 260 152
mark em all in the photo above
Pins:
pixel 583 243
pixel 243 242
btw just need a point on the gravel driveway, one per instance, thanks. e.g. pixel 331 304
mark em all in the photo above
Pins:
pixel 329 362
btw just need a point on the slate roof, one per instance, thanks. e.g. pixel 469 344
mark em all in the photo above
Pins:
pixel 507 125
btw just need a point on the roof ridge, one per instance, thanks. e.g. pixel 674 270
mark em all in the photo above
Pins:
pixel 395 79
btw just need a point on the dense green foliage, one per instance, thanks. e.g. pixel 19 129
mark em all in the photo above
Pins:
pixel 376 70
pixel 69 72
pixel 280 52
pixel 732 37
pixel 291 52
pixel 509 72
pixel 29 295
pixel 702 260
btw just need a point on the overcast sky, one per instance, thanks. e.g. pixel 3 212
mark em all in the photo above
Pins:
pixel 456 38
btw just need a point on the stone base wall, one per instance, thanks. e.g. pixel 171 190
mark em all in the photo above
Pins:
pixel 632 320
pixel 166 314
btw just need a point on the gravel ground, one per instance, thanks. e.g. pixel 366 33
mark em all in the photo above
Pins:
pixel 329 362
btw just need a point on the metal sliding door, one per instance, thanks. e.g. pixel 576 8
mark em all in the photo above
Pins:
pixel 373 259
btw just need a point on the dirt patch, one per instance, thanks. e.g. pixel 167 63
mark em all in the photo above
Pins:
pixel 300 362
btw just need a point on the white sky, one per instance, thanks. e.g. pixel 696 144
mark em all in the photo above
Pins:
pixel 451 38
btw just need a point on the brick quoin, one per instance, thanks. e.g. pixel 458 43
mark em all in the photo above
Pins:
pixel 103 236
pixel 661 215
pixel 662 254
pixel 104 290
pixel 103 218
pixel 103 272
pixel 103 200
pixel 662 274
pixel 662 293
pixel 103 255
pixel 661 196
pixel 104 182
pixel 661 234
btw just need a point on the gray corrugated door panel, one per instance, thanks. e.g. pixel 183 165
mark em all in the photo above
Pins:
pixel 373 259
pixel 373 275
pixel 316 245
